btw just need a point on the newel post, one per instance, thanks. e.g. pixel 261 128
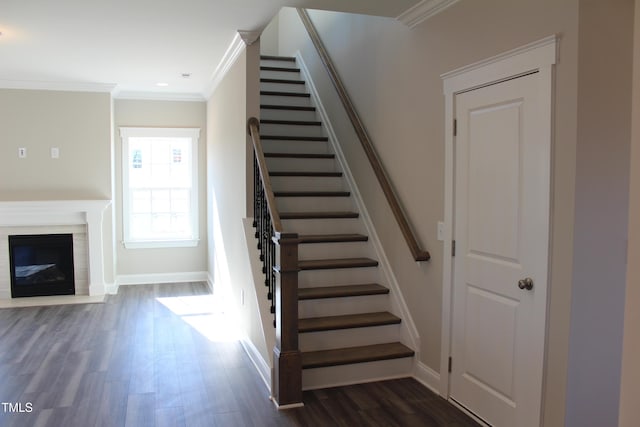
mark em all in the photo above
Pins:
pixel 287 362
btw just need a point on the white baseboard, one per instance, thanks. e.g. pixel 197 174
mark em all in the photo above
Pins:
pixel 111 288
pixel 427 377
pixel 260 364
pixel 144 279
pixel 210 281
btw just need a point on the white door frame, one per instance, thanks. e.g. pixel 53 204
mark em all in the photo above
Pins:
pixel 540 57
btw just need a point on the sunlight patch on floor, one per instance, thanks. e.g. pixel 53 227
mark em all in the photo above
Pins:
pixel 207 314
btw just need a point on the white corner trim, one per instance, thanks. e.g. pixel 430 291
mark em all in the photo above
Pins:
pixel 423 11
pixel 427 377
pixel 258 361
pixel 57 86
pixel 518 61
pixel 408 328
pixel 228 59
pixel 145 279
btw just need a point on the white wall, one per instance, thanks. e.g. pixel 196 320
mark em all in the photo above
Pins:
pixel 134 264
pixel 229 182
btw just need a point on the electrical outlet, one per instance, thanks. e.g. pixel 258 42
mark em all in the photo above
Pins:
pixel 55 153
pixel 22 153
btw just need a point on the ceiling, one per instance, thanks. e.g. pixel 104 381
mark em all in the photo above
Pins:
pixel 132 45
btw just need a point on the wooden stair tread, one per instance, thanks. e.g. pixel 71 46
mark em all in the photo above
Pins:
pixel 307 174
pixel 326 264
pixel 318 215
pixel 283 81
pixel 293 138
pixel 291 122
pixel 349 355
pixel 332 238
pixel 301 155
pixel 341 291
pixel 311 194
pixel 287 107
pixel 269 68
pixel 277 58
pixel 281 93
pixel 346 321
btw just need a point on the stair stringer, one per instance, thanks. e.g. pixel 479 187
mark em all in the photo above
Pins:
pixel 408 331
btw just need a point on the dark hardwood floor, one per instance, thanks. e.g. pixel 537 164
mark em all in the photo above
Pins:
pixel 149 357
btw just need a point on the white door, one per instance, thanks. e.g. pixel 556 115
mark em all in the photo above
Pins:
pixel 501 229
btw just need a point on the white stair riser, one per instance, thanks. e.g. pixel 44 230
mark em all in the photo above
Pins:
pixel 311 204
pixel 285 100
pixel 340 306
pixel 300 164
pixel 323 226
pixel 307 183
pixel 290 130
pixel 339 276
pixel 335 250
pixel 283 87
pixel 356 373
pixel 285 75
pixel 270 114
pixel 313 341
pixel 277 63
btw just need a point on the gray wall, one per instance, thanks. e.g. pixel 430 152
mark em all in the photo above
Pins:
pixel 161 114
pixel 393 75
pixel 601 208
pixel 630 387
pixel 79 124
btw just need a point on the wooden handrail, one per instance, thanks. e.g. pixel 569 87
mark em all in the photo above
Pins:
pixel 254 130
pixel 418 253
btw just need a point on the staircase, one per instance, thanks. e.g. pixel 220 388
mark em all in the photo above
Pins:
pixel 347 333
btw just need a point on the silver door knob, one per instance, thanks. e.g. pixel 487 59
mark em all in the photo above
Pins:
pixel 526 283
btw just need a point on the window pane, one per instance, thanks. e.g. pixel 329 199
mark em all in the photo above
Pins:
pixel 141 201
pixel 159 179
pixel 161 201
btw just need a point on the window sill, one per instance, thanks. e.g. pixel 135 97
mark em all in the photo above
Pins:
pixel 152 244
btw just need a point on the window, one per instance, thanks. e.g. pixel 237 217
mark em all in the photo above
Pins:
pixel 159 187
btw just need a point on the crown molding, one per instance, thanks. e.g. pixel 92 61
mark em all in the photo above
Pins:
pixel 57 86
pixel 423 11
pixel 159 96
pixel 230 56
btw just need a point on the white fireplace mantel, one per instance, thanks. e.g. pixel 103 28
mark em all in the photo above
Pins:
pixel 64 212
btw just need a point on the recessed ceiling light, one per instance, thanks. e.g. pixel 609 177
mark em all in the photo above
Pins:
pixel 162 84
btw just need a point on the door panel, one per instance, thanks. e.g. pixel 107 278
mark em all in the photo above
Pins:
pixel 501 232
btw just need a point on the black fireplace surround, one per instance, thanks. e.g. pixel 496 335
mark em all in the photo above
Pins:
pixel 41 265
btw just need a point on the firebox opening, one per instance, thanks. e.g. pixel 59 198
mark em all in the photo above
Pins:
pixel 41 265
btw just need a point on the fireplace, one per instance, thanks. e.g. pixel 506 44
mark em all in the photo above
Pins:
pixel 41 264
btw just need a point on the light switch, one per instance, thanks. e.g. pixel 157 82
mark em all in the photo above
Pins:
pixel 22 152
pixel 440 230
pixel 55 152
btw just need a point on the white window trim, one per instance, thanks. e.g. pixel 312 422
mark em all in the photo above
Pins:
pixel 133 132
